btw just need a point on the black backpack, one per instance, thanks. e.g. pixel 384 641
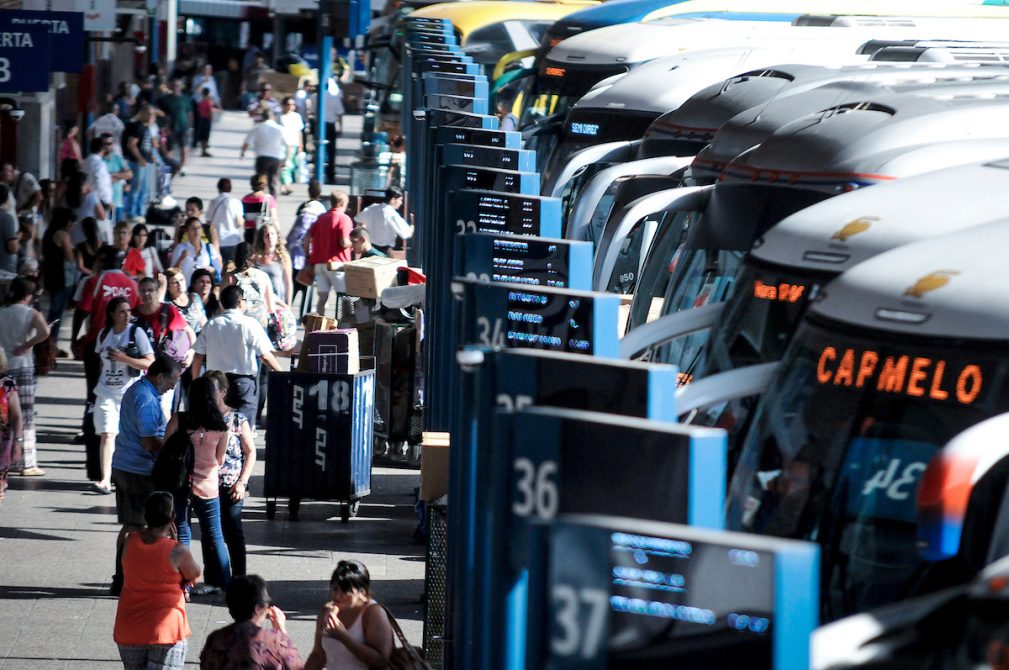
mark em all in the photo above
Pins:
pixel 174 467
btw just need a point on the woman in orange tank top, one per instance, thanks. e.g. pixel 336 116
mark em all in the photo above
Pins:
pixel 151 626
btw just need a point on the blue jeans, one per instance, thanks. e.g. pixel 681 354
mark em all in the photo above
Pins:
pixel 217 560
pixel 135 200
pixel 234 536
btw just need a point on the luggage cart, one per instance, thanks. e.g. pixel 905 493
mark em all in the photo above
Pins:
pixel 319 434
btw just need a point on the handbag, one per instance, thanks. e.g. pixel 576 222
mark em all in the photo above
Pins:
pixel 306 275
pixel 282 329
pixel 407 656
pixel 45 356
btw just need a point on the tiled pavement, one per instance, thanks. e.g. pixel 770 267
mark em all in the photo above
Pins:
pixel 57 538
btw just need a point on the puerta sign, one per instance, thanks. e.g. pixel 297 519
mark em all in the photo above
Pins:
pixel 66 30
pixel 622 593
pixel 534 261
pixel 24 59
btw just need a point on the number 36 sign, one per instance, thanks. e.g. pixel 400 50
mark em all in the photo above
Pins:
pixel 24 59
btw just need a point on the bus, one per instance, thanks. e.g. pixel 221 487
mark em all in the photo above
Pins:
pixel 574 65
pixel 829 140
pixel 677 136
pixel 552 135
pixel 896 357
pixel 788 268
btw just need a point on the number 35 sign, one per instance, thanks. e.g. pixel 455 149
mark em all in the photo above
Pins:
pixel 24 59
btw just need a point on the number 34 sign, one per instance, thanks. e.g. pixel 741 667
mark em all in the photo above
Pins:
pixel 24 59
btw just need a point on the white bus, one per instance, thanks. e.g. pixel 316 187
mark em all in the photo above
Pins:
pixel 896 357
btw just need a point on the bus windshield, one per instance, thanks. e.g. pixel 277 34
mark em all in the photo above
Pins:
pixel 836 453
pixel 590 127
pixel 660 263
pixel 759 318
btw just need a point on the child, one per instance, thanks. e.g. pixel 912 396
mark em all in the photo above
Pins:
pixel 204 117
pixel 10 423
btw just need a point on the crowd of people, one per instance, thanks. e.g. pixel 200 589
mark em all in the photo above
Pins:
pixel 177 327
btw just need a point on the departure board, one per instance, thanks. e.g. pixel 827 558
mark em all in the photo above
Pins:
pixel 491 179
pixel 535 261
pixel 470 86
pixel 489 212
pixel 456 103
pixel 492 138
pixel 520 160
pixel 442 66
pixel 664 596
pixel 516 316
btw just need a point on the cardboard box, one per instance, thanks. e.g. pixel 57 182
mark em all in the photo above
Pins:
pixel 314 322
pixel 332 351
pixel 434 466
pixel 368 277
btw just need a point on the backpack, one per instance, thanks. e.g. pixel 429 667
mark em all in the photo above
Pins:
pixel 132 349
pixel 174 344
pixel 173 469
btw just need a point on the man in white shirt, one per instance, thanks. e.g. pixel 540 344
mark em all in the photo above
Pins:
pixel 97 171
pixel 111 124
pixel 334 125
pixel 226 215
pixel 235 344
pixel 268 142
pixel 384 223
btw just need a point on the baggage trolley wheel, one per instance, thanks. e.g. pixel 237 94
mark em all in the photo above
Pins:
pixel 348 510
pixel 271 509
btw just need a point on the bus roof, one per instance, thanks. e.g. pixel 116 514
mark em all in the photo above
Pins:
pixel 608 13
pixel 952 286
pixel 863 140
pixel 839 233
pixel 666 83
pixel 976 9
pixel 469 16
pixel 700 117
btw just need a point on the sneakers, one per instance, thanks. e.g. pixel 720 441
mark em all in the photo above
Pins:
pixel 205 154
pixel 205 590
pixel 104 490
pixel 34 471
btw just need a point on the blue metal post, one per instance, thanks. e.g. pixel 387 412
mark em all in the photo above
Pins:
pixel 155 39
pixel 325 70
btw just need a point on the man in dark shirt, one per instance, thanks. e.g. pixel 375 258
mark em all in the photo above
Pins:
pixel 178 109
pixel 137 147
pixel 360 240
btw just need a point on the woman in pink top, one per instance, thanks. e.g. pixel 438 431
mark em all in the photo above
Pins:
pixel 208 431
pixel 151 625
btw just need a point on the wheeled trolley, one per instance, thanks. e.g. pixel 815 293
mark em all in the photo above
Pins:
pixel 319 434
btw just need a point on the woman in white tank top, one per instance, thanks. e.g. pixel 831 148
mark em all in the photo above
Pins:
pixel 352 631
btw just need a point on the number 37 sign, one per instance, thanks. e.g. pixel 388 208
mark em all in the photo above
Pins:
pixel 24 59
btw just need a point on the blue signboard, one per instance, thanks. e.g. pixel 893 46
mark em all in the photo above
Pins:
pixel 524 317
pixel 574 462
pixel 619 593
pixel 24 59
pixel 456 103
pixel 66 30
pixel 482 211
pixel 534 261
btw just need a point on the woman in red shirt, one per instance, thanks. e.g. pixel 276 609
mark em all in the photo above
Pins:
pixel 151 625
